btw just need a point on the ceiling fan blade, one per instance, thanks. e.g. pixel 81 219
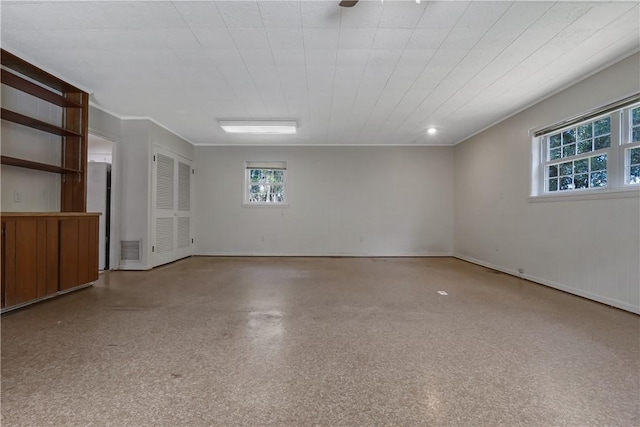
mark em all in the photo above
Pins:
pixel 348 3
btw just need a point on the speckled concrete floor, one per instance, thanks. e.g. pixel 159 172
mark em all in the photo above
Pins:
pixel 331 342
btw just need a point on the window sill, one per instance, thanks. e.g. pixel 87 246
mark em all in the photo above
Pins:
pixel 618 193
pixel 265 205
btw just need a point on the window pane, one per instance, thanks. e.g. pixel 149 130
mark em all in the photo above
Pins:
pixel 553 184
pixel 569 150
pixel 555 154
pixel 568 136
pixel 634 175
pixel 581 166
pixel 566 168
pixel 555 141
pixel 602 142
pixel 599 162
pixel 634 163
pixel 602 126
pixel 634 156
pixel 256 193
pixel 635 116
pixel 584 146
pixel 599 179
pixel 581 181
pixel 553 171
pixel 256 175
pixel 276 193
pixel 635 134
pixel 585 132
pixel 566 183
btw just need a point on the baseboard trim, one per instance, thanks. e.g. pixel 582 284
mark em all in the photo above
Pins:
pixel 559 286
pixel 134 267
pixel 327 255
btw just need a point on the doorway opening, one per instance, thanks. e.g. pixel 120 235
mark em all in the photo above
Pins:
pixel 100 158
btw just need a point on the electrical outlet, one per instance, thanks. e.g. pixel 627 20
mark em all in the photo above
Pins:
pixel 17 196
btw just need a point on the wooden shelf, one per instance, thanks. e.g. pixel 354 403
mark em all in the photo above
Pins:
pixel 33 89
pixel 23 67
pixel 72 130
pixel 28 164
pixel 21 119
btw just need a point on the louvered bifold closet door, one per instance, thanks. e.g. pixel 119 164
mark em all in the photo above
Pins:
pixel 164 221
pixel 171 224
pixel 184 209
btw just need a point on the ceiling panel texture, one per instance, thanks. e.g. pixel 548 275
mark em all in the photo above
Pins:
pixel 379 73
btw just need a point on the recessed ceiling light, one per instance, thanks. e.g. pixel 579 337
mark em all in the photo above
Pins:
pixel 258 127
pixel 431 131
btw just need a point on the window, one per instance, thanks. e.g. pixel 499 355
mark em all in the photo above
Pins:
pixel 632 154
pixel 596 152
pixel 265 183
pixel 570 164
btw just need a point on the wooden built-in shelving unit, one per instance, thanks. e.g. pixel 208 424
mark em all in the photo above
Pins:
pixel 45 254
pixel 27 78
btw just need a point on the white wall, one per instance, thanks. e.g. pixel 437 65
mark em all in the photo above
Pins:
pixel 131 176
pixel 388 201
pixel 586 247
pixel 136 188
pixel 138 138
pixel 172 142
pixel 38 191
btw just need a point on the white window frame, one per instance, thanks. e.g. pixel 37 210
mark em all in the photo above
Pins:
pixel 618 155
pixel 628 144
pixel 266 165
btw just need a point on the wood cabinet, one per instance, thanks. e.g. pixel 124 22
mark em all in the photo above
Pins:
pixel 73 132
pixel 45 254
pixel 78 251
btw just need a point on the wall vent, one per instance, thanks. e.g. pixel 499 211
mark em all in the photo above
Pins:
pixel 130 250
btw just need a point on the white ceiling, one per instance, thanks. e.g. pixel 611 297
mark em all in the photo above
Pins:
pixel 378 73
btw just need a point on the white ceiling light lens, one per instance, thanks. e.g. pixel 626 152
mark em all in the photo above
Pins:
pixel 259 127
pixel 432 131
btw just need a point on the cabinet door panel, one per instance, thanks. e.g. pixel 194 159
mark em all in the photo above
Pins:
pixel 94 251
pixel 69 253
pixel 3 252
pixel 83 251
pixel 41 258
pixel 9 265
pixel 26 256
pixel 78 252
pixel 53 258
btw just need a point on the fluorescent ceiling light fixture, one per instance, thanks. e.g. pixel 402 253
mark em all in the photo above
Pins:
pixel 260 127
